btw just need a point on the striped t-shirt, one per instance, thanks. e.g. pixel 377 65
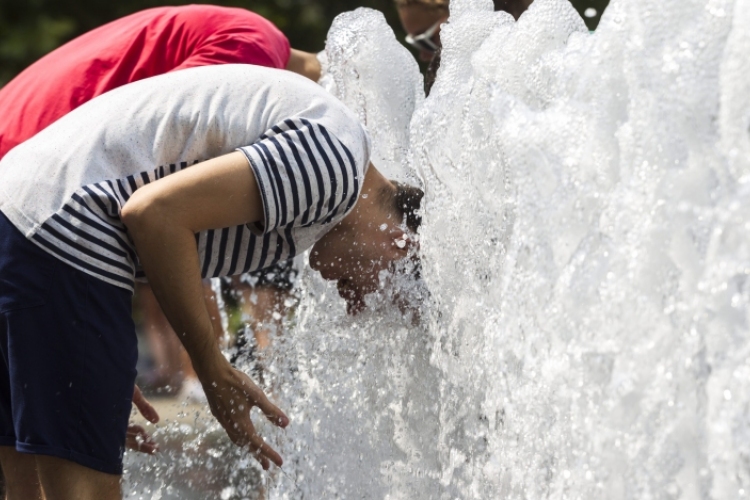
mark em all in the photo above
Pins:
pixel 65 187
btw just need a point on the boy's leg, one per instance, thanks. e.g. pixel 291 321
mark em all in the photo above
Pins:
pixel 21 480
pixel 65 480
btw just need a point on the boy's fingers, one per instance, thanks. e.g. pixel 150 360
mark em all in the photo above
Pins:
pixel 138 440
pixel 248 438
pixel 144 407
pixel 272 412
pixel 263 461
pixel 264 452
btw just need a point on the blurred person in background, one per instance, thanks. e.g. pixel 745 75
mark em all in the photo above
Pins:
pixel 145 44
pixel 421 19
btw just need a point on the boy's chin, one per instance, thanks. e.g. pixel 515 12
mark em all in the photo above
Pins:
pixel 328 273
pixel 354 300
pixel 355 307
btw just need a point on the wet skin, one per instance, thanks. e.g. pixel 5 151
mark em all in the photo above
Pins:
pixel 364 244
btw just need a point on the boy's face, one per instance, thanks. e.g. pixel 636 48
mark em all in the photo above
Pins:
pixel 355 254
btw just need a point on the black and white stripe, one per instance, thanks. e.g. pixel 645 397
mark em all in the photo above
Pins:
pixel 307 178
pixel 88 234
pixel 326 187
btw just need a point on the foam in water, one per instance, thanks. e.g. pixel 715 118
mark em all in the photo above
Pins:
pixel 366 68
pixel 586 247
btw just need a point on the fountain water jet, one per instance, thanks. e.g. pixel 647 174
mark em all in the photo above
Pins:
pixel 586 247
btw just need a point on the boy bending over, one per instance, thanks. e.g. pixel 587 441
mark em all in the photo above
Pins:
pixel 200 173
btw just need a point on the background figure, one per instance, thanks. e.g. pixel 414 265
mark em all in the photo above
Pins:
pixel 172 372
pixel 166 374
pixel 263 298
pixel 421 19
pixel 513 7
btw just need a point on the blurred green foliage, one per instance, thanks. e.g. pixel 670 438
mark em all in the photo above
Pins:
pixel 31 28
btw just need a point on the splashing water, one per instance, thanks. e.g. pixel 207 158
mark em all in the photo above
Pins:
pixel 586 247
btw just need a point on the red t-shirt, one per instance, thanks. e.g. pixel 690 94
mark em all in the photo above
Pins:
pixel 138 46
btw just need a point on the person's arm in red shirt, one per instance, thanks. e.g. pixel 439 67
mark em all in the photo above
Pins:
pixel 305 64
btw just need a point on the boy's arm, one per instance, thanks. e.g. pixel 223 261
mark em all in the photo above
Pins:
pixel 162 218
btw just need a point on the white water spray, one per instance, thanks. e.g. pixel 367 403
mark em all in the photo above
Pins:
pixel 586 246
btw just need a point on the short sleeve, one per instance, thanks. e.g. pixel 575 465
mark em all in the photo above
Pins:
pixel 306 175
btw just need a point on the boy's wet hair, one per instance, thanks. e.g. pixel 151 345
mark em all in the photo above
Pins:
pixel 405 201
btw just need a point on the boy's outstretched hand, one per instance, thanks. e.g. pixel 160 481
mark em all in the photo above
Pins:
pixel 137 439
pixel 163 218
pixel 231 394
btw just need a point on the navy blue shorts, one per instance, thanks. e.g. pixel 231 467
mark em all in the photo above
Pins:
pixel 68 353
